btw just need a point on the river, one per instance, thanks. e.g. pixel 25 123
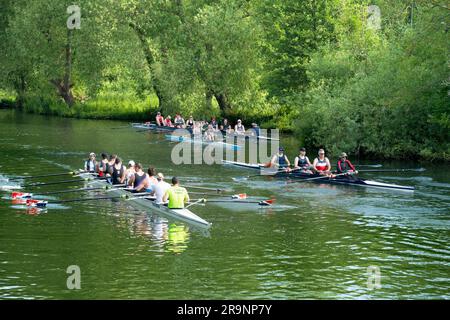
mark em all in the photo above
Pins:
pixel 317 241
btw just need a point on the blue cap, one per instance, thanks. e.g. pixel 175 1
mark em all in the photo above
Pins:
pixel 280 149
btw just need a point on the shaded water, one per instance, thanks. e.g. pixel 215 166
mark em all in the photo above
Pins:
pixel 316 242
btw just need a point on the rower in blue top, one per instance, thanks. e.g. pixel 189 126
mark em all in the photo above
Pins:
pixel 280 160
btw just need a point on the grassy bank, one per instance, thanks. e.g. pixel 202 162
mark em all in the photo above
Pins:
pixel 106 107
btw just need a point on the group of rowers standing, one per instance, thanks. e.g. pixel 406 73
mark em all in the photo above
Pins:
pixel 320 166
pixel 209 129
pixel 136 180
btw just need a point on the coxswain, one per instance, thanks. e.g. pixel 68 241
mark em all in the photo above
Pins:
pixel 321 164
pixel 345 166
pixel 159 119
pixel 118 172
pixel 280 160
pixel 168 121
pixel 302 162
pixel 239 128
pixel 176 195
pixel 160 189
pixel 90 165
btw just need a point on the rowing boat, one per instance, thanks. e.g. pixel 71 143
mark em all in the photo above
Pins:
pixel 156 128
pixel 148 203
pixel 176 138
pixel 341 180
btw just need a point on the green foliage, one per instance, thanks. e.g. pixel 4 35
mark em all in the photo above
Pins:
pixel 312 66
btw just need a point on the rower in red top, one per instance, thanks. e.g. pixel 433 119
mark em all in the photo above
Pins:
pixel 345 166
pixel 168 121
pixel 322 164
pixel 159 119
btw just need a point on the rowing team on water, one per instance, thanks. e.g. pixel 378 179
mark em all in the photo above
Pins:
pixel 209 129
pixel 136 180
pixel 320 166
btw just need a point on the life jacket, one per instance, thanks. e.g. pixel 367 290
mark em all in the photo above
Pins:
pixel 240 128
pixel 321 164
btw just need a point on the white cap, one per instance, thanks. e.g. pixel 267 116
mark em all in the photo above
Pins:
pixel 160 176
pixel 131 163
pixel 91 154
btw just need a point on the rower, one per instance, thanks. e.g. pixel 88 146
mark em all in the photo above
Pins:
pixel 138 177
pixel 239 128
pixel 255 129
pixel 179 121
pixel 280 160
pixel 214 123
pixel 129 173
pixel 176 195
pixel 322 164
pixel 90 165
pixel 160 189
pixel 118 172
pixel 102 167
pixel 229 131
pixel 159 119
pixel 190 123
pixel 209 133
pixel 148 182
pixel 302 162
pixel 168 122
pixel 224 125
pixel 345 166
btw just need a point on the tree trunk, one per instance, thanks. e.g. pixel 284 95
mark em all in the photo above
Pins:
pixel 208 99
pixel 223 102
pixel 20 86
pixel 64 86
pixel 150 60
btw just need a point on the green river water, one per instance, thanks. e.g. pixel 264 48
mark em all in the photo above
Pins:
pixel 316 242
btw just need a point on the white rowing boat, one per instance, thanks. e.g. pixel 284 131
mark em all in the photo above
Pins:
pixel 148 203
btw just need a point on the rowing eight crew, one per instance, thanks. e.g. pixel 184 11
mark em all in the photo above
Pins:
pixel 210 128
pixel 321 164
pixel 136 180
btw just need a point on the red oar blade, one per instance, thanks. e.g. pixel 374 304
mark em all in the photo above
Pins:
pixel 267 202
pixel 21 195
pixel 36 203
pixel 239 196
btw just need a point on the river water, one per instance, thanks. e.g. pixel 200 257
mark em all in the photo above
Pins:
pixel 316 242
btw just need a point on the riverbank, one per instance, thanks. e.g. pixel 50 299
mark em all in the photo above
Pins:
pixel 133 109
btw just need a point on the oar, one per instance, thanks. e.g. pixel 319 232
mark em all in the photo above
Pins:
pixel 257 175
pixel 57 182
pixel 235 196
pixel 369 165
pixel 394 170
pixel 44 203
pixel 72 190
pixel 196 202
pixel 45 175
pixel 267 202
pixel 321 177
pixel 218 190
